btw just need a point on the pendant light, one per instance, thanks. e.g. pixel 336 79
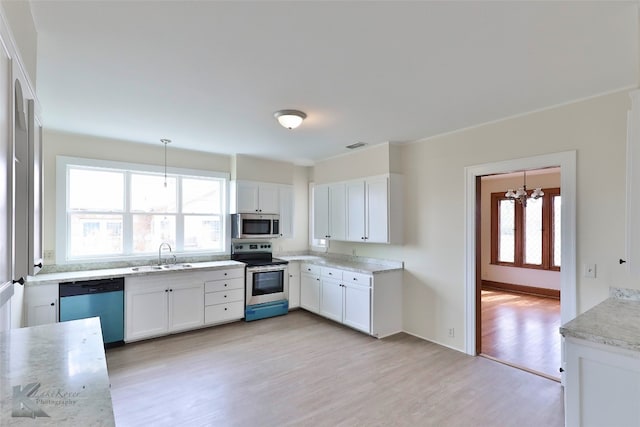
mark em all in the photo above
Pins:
pixel 165 142
pixel 521 195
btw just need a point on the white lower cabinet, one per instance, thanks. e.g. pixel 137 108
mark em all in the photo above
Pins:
pixel 602 385
pixel 294 285
pixel 346 302
pixel 370 303
pixel 310 287
pixel 42 304
pixel 157 305
pixel 331 298
pixel 224 296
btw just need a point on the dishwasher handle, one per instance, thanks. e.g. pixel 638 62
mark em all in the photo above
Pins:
pixel 86 287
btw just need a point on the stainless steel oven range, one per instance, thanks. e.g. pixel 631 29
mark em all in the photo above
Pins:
pixel 266 279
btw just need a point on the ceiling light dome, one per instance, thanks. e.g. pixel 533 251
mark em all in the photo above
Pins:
pixel 290 119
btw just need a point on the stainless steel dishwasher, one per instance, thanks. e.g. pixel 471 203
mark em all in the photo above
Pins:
pixel 102 298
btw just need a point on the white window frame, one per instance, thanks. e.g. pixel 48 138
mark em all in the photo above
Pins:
pixel 62 192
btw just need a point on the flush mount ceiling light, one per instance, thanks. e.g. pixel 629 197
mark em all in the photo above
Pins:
pixel 522 194
pixel 290 119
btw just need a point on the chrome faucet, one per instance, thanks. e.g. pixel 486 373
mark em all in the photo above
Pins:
pixel 160 251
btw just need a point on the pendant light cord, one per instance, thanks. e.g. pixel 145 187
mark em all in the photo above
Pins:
pixel 165 142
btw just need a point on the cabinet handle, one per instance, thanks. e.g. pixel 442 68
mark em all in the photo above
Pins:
pixel 20 280
pixel 561 370
pixel 166 290
pixel 225 285
pixel 362 238
pixel 39 265
pixel 170 290
pixel 52 304
pixel 330 274
pixel 622 261
pixel 225 309
pixel 225 296
pixel 355 278
pixel 225 274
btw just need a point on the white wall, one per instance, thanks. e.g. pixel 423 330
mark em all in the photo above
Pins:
pixel 434 240
pixel 499 273
pixel 251 168
pixel 371 161
pixel 20 19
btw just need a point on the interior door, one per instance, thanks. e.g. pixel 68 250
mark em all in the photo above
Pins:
pixel 6 163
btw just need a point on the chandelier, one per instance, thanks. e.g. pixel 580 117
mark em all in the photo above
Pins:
pixel 522 194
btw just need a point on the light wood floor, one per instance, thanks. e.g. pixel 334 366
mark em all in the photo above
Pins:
pixel 302 370
pixel 522 330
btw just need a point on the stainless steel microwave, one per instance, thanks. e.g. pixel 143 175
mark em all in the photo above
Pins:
pixel 255 226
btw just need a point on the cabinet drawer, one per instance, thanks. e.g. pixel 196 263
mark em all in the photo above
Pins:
pixel 223 285
pixel 223 312
pixel 358 278
pixel 310 268
pixel 222 297
pixel 225 274
pixel 334 273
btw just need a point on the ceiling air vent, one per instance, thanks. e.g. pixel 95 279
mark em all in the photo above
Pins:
pixel 356 145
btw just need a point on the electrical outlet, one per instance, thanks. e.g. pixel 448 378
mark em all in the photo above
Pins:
pixel 49 255
pixel 452 332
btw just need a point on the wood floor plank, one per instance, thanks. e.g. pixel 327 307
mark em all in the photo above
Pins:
pixel 302 370
pixel 522 330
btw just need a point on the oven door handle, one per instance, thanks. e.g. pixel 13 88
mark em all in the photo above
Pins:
pixel 266 268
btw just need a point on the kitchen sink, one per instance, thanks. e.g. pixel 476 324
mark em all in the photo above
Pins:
pixel 161 267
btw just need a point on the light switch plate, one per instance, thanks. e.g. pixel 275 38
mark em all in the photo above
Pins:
pixel 590 271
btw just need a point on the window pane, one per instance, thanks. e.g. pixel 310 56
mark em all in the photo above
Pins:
pixel 201 196
pixel 506 231
pixel 94 234
pixel 96 190
pixel 557 235
pixel 533 232
pixel 148 193
pixel 149 231
pixel 202 232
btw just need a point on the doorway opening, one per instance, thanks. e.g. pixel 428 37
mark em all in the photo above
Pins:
pixel 520 262
pixel 566 161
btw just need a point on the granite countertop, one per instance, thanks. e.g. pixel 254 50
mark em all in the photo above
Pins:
pixel 53 375
pixel 48 278
pixel 615 321
pixel 356 264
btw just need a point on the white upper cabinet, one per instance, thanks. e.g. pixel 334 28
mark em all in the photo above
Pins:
pixel 255 197
pixel 285 196
pixel 367 210
pixel 633 185
pixel 329 212
pixel 35 192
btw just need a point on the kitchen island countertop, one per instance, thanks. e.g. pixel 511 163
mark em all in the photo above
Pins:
pixel 614 322
pixel 55 375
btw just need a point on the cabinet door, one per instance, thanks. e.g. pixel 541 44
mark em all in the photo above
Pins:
pixel 338 211
pixel 377 210
pixel 331 299
pixel 42 304
pixel 286 211
pixel 310 292
pixel 357 307
pixel 147 311
pixel 246 197
pixel 321 212
pixel 603 385
pixel 268 199
pixel 294 286
pixel 186 306
pixel 356 227
pixel 35 192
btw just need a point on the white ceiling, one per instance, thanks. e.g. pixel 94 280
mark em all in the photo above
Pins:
pixel 210 74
